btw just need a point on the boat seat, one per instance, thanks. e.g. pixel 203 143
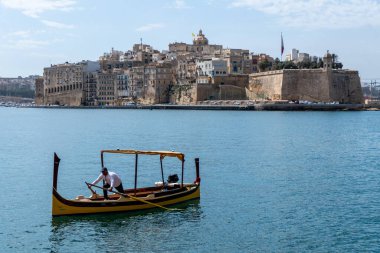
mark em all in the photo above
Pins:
pixel 85 200
pixel 171 191
pixel 143 194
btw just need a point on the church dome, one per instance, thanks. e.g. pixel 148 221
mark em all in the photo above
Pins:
pixel 200 39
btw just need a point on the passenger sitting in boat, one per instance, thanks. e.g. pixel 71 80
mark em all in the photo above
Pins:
pixel 112 181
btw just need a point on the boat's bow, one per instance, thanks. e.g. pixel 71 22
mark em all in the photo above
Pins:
pixel 55 194
pixel 55 173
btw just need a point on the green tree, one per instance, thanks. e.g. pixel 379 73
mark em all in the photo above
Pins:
pixel 313 65
pixel 338 65
pixel 320 63
pixel 303 65
pixel 264 65
pixel 290 65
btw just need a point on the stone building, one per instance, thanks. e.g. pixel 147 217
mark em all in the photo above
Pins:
pixel 145 57
pixel 158 80
pixel 180 47
pixel 65 84
pixel 211 67
pixel 121 88
pixel 136 82
pixel 144 53
pixel 191 68
pixel 89 88
pixel 254 63
pixel 127 56
pixel 158 57
pixel 110 60
pixel 199 47
pixel 238 61
pixel 184 69
pixel 184 58
pixel 105 90
pixel 142 47
pixel 150 84
pixel 39 91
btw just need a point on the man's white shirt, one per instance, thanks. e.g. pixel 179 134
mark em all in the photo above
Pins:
pixel 112 179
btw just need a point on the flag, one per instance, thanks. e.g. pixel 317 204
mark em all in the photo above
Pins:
pixel 282 45
pixel 192 34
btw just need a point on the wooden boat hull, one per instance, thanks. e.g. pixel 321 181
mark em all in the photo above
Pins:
pixel 132 199
pixel 62 206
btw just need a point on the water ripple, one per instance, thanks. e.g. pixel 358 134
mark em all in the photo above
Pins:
pixel 271 181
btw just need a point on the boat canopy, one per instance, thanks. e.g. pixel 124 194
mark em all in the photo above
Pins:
pixel 162 154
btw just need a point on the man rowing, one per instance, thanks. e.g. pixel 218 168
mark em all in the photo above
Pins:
pixel 112 181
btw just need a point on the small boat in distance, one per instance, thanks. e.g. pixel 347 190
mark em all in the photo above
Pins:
pixel 161 195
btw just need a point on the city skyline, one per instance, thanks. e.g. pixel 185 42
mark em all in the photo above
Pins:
pixel 38 33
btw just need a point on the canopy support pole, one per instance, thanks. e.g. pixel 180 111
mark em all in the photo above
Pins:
pixel 136 161
pixel 198 178
pixel 183 165
pixel 102 161
pixel 162 172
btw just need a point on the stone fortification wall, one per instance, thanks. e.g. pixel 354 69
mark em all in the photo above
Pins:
pixel 202 92
pixel 206 92
pixel 265 85
pixel 306 84
pixel 197 92
pixel 231 92
pixel 235 80
pixel 345 87
pixel 315 85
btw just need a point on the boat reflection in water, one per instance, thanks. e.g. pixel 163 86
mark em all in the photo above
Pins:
pixel 145 230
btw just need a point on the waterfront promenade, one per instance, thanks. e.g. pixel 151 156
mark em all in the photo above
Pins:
pixel 235 107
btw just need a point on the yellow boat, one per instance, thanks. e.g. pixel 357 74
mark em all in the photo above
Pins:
pixel 161 195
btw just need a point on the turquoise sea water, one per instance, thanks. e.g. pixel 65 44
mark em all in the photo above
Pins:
pixel 271 181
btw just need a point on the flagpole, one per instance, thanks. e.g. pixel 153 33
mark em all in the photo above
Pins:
pixel 282 46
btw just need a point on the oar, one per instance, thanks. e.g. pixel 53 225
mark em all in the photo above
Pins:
pixel 135 198
pixel 89 187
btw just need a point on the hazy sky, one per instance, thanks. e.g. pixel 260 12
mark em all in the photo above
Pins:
pixel 37 33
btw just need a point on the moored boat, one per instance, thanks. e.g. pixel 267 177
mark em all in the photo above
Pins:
pixel 161 195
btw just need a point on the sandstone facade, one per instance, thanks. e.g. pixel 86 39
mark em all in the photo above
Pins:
pixel 67 84
pixel 39 92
